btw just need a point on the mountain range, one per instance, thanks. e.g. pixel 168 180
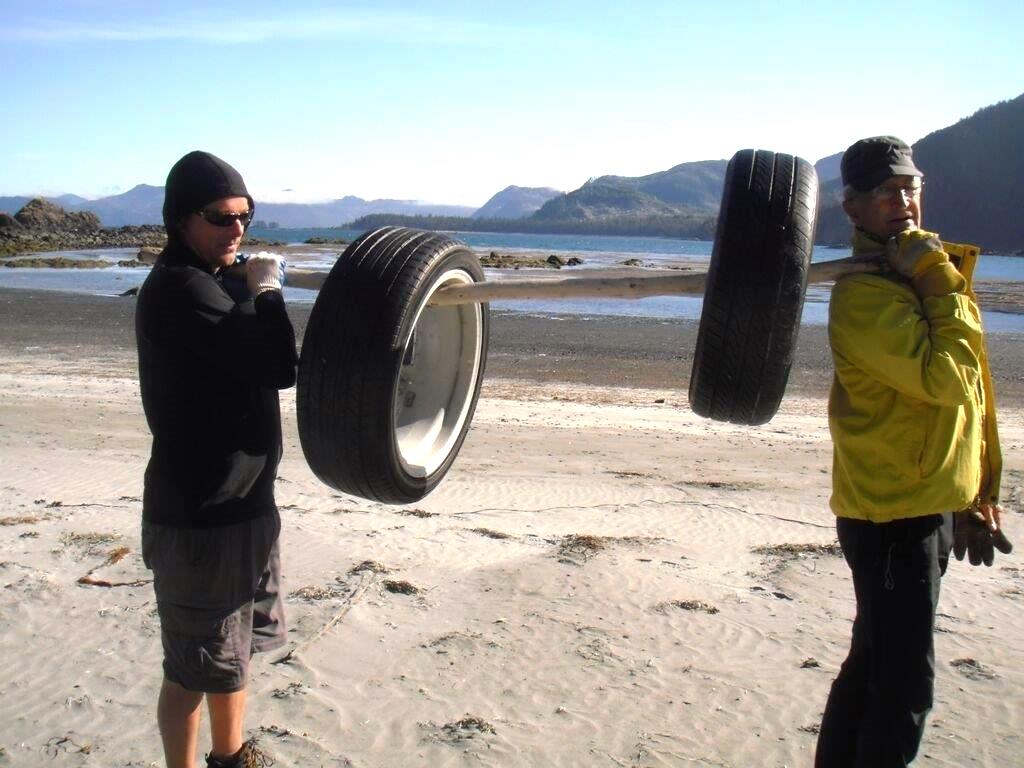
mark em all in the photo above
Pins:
pixel 972 194
pixel 142 204
pixel 688 186
pixel 515 202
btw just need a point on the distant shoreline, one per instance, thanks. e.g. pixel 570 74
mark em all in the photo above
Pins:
pixel 646 353
pixel 18 241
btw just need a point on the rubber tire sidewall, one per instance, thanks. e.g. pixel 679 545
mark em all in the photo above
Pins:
pixel 352 354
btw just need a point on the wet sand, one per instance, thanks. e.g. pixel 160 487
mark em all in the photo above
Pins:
pixel 608 351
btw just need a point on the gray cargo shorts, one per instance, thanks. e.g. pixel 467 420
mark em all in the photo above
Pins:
pixel 218 597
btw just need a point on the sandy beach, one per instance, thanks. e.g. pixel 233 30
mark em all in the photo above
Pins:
pixel 604 579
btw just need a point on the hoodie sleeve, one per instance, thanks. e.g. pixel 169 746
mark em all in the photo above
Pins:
pixel 250 341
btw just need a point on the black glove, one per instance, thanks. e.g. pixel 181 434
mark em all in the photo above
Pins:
pixel 973 536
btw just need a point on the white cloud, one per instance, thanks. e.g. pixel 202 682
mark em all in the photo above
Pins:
pixel 208 27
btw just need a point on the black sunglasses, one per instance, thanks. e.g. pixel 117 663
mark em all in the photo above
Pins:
pixel 224 219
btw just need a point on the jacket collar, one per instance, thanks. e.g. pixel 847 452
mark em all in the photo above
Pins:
pixel 865 244
pixel 176 253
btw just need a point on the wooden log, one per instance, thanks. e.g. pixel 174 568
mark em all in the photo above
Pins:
pixel 634 287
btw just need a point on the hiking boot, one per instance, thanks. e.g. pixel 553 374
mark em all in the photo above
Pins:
pixel 249 756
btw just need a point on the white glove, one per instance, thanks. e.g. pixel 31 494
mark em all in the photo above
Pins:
pixel 264 272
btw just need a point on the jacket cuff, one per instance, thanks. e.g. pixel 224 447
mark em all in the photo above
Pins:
pixel 268 299
pixel 938 280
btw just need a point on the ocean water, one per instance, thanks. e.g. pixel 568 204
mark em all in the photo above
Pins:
pixel 595 251
pixel 505 241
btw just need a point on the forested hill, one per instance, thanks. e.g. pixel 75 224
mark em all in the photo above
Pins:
pixel 688 226
pixel 515 202
pixel 974 178
pixel 686 188
pixel 974 182
pixel 680 202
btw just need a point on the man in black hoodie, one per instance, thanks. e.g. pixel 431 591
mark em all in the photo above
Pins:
pixel 215 346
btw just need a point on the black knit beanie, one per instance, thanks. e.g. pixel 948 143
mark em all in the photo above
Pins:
pixel 194 182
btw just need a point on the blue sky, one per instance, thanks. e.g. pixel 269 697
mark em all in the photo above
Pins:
pixel 451 102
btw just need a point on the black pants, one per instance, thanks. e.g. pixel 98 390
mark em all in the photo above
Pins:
pixel 877 706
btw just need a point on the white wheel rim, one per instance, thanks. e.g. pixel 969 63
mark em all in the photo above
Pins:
pixel 441 364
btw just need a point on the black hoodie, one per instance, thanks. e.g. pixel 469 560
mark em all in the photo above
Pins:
pixel 209 370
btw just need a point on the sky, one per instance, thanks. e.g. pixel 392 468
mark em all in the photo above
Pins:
pixel 450 102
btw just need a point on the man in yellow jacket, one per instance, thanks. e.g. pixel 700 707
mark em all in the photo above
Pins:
pixel 916 460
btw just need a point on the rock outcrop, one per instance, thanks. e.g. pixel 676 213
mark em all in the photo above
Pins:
pixel 42 226
pixel 44 215
pixel 497 260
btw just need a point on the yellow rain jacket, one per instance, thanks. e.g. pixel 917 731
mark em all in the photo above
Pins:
pixel 911 412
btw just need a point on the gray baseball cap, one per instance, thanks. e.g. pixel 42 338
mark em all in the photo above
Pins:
pixel 869 162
